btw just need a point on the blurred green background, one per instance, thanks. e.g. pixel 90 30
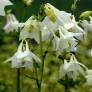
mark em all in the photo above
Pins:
pixel 9 43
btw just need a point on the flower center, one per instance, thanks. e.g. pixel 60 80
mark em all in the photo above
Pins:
pixel 23 61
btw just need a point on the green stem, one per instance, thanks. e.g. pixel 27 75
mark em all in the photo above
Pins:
pixel 74 6
pixel 36 74
pixel 42 59
pixel 18 80
pixel 66 89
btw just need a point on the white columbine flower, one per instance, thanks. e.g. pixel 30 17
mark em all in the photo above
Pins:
pixel 61 18
pixel 12 23
pixel 31 30
pixel 23 57
pixel 3 4
pixel 72 69
pixel 65 40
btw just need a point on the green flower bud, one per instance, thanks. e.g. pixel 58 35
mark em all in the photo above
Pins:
pixel 51 12
pixel 85 14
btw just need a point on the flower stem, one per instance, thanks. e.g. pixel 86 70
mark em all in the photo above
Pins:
pixel 42 59
pixel 74 6
pixel 18 80
pixel 66 89
pixel 36 74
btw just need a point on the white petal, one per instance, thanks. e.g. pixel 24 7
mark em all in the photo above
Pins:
pixel 2 12
pixel 35 57
pixel 3 4
pixel 8 60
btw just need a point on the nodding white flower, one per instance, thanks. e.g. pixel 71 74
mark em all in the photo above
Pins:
pixel 12 23
pixel 72 69
pixel 65 40
pixel 60 17
pixel 89 77
pixel 3 4
pixel 28 2
pixel 31 30
pixel 23 57
pixel 87 25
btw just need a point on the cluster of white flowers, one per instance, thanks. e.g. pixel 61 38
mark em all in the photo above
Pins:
pixel 55 22
pixel 73 69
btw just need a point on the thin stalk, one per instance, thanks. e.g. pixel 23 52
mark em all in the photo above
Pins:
pixel 18 80
pixel 74 6
pixel 42 59
pixel 66 88
pixel 36 74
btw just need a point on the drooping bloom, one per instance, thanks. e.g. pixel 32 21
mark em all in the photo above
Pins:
pixel 23 57
pixel 12 24
pixel 31 30
pixel 3 4
pixel 72 69
pixel 60 17
pixel 65 40
pixel 63 19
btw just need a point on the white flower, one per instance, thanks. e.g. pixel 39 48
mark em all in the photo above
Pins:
pixel 62 18
pixel 76 27
pixel 72 69
pixel 31 30
pixel 23 57
pixel 3 4
pixel 65 40
pixel 12 24
pixel 87 25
